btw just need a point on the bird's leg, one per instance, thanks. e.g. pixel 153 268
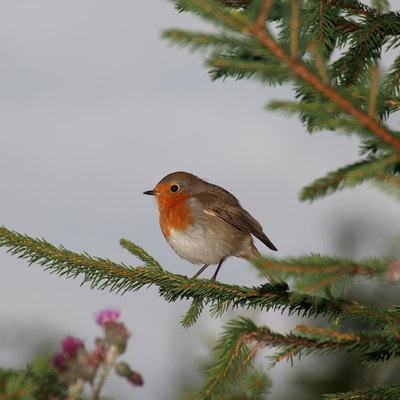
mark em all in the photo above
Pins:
pixel 200 271
pixel 214 277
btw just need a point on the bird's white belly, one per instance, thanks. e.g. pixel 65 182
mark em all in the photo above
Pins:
pixel 198 246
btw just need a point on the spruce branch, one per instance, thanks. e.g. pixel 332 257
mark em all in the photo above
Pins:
pixel 313 114
pixel 324 275
pixel 193 313
pixel 333 94
pixel 320 341
pixel 106 274
pixel 365 44
pixel 200 40
pixel 256 29
pixel 379 169
pixel 140 253
pixel 232 356
pixel 388 392
pixel 213 11
pixel 322 22
pixel 237 66
pixel 242 339
pixel 391 84
pixel 353 7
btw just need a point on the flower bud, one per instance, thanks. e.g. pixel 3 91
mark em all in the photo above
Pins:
pixel 123 369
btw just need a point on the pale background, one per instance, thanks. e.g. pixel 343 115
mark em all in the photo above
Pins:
pixel 94 109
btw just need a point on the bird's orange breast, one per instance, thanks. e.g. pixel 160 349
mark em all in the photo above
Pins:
pixel 175 213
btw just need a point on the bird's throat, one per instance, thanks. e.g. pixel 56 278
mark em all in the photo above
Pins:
pixel 175 214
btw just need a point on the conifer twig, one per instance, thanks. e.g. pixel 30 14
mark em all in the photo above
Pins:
pixel 106 274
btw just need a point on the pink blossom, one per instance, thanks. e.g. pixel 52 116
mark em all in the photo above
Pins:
pixel 71 346
pixel 60 362
pixel 106 316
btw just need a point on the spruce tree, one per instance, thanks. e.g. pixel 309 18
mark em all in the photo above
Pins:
pixel 330 53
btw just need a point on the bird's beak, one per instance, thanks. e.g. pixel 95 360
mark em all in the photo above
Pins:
pixel 150 192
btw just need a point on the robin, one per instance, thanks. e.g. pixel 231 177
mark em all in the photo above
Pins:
pixel 204 223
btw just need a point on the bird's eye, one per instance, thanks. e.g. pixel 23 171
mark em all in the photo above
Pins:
pixel 174 188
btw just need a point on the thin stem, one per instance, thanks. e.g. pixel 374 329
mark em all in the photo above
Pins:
pixel 75 389
pixel 111 356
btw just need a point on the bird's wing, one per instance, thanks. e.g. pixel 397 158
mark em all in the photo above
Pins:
pixel 234 214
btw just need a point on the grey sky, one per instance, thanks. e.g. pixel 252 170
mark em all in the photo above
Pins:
pixel 94 109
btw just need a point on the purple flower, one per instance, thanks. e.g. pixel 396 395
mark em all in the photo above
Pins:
pixel 71 346
pixel 60 362
pixel 106 316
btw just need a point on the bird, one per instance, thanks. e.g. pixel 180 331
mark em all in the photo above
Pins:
pixel 206 224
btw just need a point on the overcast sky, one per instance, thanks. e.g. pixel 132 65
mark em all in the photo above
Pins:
pixel 94 109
